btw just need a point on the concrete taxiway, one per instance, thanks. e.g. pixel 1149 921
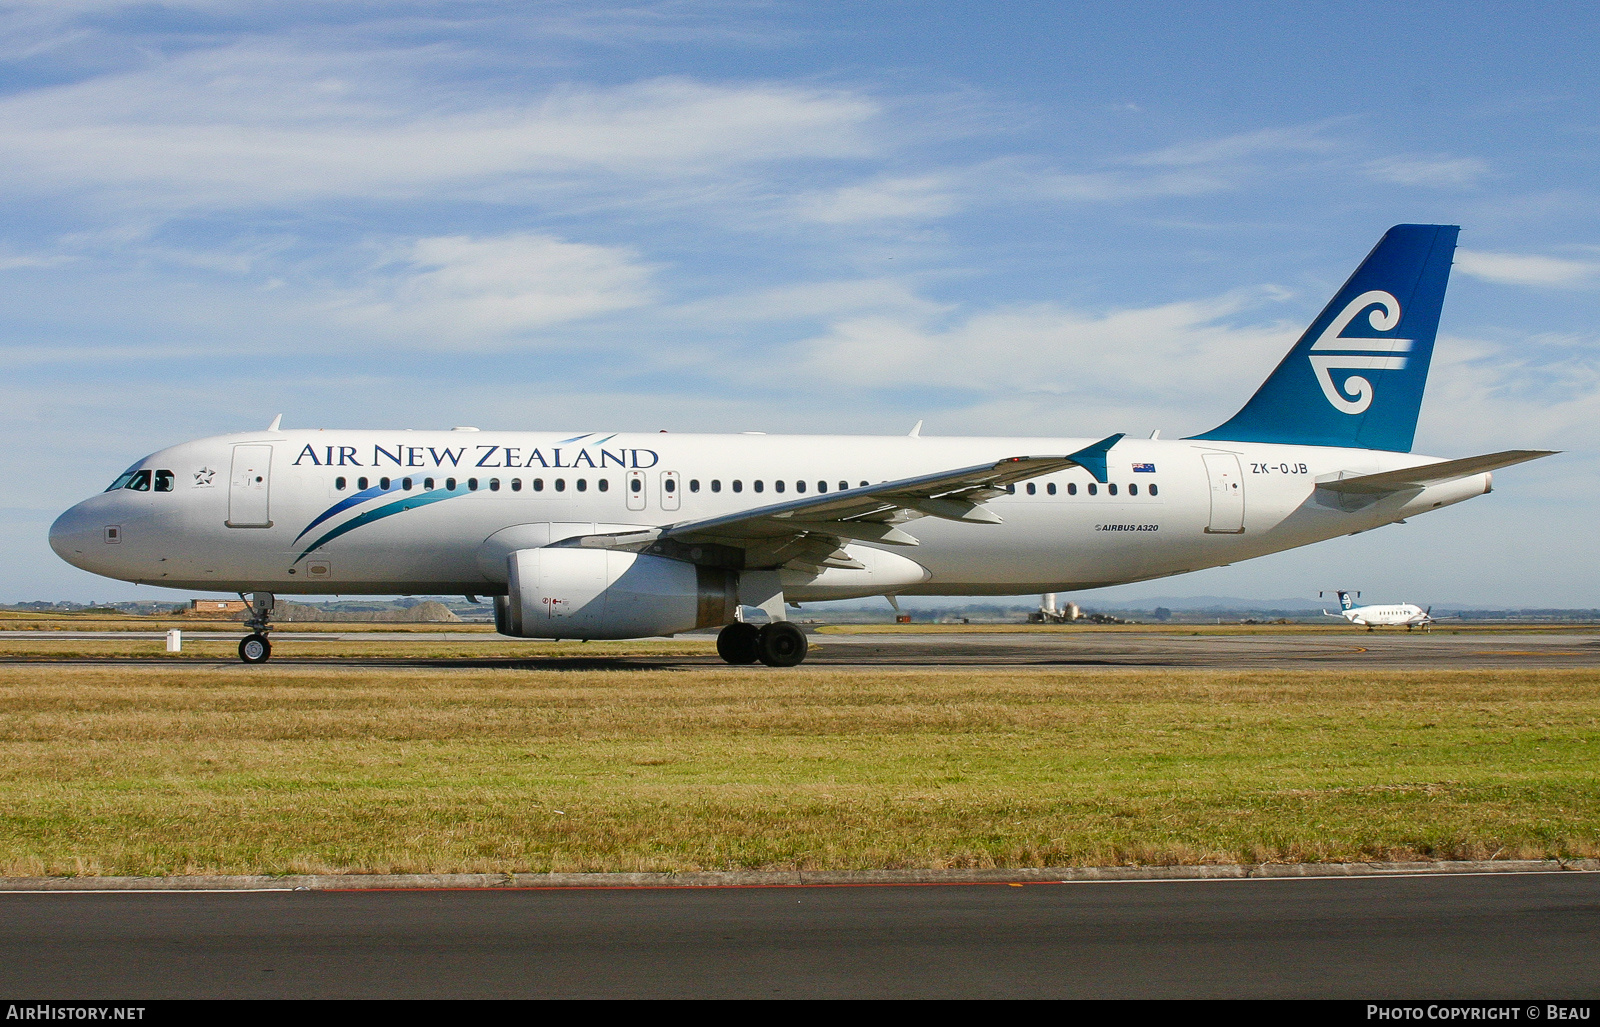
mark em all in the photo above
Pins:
pixel 1503 936
pixel 1397 650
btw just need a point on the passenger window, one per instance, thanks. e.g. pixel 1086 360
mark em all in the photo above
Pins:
pixel 383 483
pixel 863 484
pixel 738 486
pixel 538 484
pixel 450 483
pixel 583 484
pixel 406 484
pixel 1012 489
pixel 472 484
pixel 844 486
pixel 1033 489
pixel 635 485
pixel 338 484
pixel 361 483
pixel 716 484
pixel 1133 490
pixel 1112 488
pixel 603 484
pixel 777 486
pixel 561 484
pixel 760 486
pixel 1153 490
pixel 671 485
pixel 1051 488
pixel 694 484
pixel 427 484
pixel 822 486
pixel 516 484
pixel 140 482
pixel 164 481
pixel 799 486
pixel 1094 489
pixel 494 484
pixel 1072 488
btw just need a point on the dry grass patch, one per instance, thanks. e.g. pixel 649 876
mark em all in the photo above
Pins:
pixel 187 769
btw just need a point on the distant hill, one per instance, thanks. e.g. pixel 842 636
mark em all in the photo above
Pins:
pixel 426 612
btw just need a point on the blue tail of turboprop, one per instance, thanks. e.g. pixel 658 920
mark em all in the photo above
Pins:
pixel 1356 376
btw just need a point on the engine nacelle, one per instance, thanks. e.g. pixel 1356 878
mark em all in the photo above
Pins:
pixel 598 593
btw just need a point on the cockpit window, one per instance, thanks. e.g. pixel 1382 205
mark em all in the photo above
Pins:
pixel 140 482
pixel 122 481
pixel 164 481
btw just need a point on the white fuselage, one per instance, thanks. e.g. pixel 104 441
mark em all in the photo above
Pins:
pixel 1402 615
pixel 236 515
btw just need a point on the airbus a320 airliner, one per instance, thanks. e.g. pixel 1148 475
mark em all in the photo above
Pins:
pixel 620 535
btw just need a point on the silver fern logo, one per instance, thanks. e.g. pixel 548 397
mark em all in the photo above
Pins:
pixel 1332 352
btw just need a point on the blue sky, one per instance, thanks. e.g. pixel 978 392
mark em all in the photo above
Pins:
pixel 999 218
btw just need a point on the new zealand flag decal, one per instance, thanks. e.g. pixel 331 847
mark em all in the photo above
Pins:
pixel 1144 468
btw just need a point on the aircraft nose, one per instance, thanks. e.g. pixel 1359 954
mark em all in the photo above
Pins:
pixel 76 534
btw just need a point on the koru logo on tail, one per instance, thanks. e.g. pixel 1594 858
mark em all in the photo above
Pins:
pixel 1355 393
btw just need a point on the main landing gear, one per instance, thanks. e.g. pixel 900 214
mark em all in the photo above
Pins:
pixel 254 648
pixel 779 644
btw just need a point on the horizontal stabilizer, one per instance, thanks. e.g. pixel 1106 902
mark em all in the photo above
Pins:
pixel 1423 475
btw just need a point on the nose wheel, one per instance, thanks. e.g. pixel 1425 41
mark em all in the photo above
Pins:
pixel 254 647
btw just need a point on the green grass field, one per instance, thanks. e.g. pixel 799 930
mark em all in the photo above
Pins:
pixel 172 769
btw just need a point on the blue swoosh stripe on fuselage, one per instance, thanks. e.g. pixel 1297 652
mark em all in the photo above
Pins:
pixel 379 513
pixel 344 504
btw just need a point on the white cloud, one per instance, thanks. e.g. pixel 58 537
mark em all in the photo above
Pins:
pixel 1101 187
pixel 1525 269
pixel 890 199
pixel 1438 172
pixel 1232 148
pixel 1164 361
pixel 256 123
pixel 1535 391
pixel 18 261
pixel 477 292
pixel 809 301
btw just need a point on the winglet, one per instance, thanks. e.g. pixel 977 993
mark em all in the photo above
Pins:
pixel 916 430
pixel 1093 458
pixel 275 422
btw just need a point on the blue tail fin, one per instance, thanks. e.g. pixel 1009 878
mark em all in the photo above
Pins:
pixel 1325 392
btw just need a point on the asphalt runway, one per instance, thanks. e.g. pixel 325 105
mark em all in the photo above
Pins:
pixel 1237 652
pixel 1047 650
pixel 1502 936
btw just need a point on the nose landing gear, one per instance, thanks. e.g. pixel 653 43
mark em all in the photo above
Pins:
pixel 255 648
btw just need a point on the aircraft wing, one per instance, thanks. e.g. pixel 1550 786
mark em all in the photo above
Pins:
pixel 811 530
pixel 1424 475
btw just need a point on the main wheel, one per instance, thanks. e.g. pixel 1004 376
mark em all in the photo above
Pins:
pixel 739 643
pixel 255 649
pixel 782 644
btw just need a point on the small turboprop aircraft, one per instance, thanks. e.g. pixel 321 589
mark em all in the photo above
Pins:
pixel 625 535
pixel 1403 615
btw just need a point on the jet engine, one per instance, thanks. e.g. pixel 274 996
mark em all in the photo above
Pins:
pixel 600 593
